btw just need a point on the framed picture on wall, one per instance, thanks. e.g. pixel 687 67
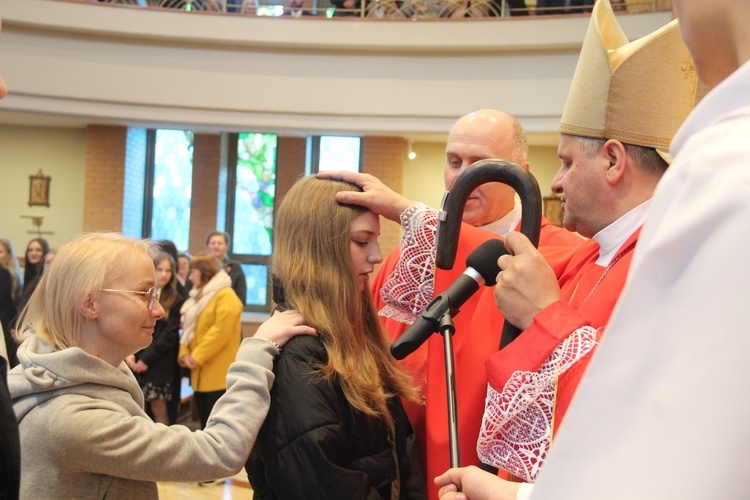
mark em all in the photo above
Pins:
pixel 39 189
pixel 553 210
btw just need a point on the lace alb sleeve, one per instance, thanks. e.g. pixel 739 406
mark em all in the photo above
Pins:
pixel 410 287
pixel 517 425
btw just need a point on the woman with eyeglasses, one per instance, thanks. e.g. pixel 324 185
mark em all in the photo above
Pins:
pixel 84 433
pixel 211 331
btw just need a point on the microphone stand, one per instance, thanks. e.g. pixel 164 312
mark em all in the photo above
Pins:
pixel 449 226
pixel 450 216
pixel 447 329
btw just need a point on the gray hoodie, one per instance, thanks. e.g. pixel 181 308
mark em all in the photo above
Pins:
pixel 84 433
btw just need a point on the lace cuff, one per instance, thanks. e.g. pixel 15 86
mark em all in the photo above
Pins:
pixel 410 287
pixel 517 424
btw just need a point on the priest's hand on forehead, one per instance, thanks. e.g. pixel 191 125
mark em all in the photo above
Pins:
pixel 376 196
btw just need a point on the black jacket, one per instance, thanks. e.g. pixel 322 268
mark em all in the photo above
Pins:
pixel 239 284
pixel 314 445
pixel 10 443
pixel 8 311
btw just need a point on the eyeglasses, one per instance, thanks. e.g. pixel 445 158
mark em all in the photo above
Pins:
pixel 152 293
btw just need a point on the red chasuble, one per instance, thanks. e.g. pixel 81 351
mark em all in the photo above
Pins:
pixel 478 325
pixel 517 373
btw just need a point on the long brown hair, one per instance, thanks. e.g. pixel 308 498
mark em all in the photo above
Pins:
pixel 311 259
pixel 33 271
pixel 168 291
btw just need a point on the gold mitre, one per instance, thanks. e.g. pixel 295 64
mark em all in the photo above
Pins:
pixel 638 93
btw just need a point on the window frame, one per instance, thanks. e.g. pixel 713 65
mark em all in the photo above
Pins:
pixel 231 188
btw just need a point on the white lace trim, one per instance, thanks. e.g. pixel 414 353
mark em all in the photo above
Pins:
pixel 410 287
pixel 517 424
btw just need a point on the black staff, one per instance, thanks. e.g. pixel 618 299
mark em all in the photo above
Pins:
pixel 438 315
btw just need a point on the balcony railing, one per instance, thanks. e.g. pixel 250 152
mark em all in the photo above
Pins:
pixel 395 9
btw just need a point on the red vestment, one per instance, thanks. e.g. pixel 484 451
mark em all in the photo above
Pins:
pixel 589 293
pixel 478 326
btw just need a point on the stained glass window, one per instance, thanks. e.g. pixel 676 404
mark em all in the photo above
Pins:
pixel 254 196
pixel 172 187
pixel 245 206
pixel 254 192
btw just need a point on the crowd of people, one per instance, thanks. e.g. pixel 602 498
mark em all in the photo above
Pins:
pixel 625 381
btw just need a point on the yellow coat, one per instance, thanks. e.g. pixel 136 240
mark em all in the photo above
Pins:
pixel 215 342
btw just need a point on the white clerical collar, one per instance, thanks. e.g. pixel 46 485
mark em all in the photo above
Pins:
pixel 507 222
pixel 612 237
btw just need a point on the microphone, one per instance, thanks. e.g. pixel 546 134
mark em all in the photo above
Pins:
pixel 481 269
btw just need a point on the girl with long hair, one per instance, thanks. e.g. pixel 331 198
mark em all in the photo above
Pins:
pixel 155 365
pixel 336 427
pixel 33 265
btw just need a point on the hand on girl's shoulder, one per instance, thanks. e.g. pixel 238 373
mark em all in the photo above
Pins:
pixel 282 326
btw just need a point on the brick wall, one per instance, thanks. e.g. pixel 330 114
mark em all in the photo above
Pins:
pixel 290 163
pixel 104 178
pixel 207 158
pixel 384 158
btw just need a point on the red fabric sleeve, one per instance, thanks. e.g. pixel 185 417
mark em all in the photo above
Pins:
pixel 535 344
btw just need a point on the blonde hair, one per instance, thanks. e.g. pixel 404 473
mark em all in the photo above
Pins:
pixel 82 266
pixel 11 264
pixel 312 261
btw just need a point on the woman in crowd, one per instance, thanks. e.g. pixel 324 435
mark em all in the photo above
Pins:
pixel 336 427
pixel 155 365
pixel 211 331
pixel 183 269
pixel 10 293
pixel 84 433
pixel 173 405
pixel 36 251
